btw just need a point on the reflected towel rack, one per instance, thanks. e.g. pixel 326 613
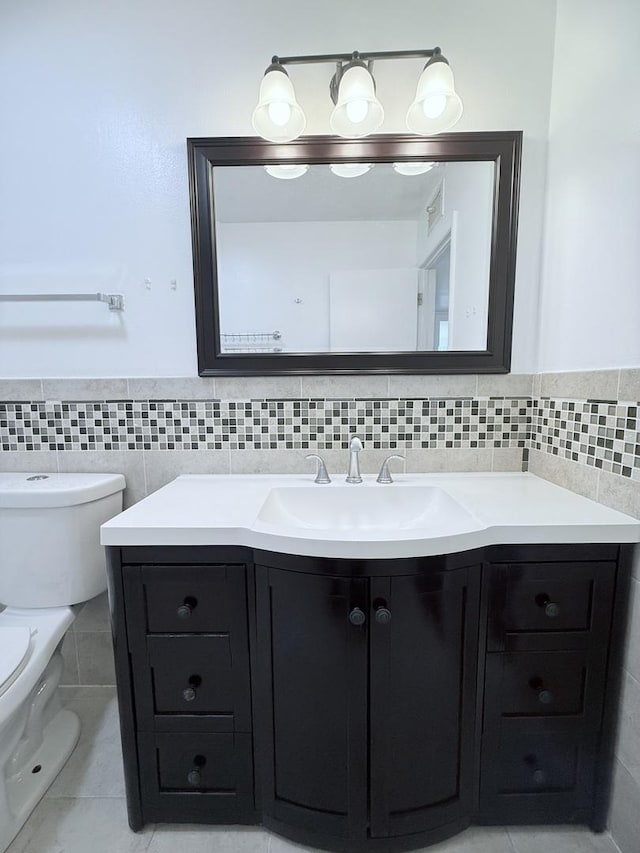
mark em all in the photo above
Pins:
pixel 253 337
pixel 115 301
pixel 245 342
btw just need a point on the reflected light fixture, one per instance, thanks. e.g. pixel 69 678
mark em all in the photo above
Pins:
pixel 350 170
pixel 287 171
pixel 412 168
pixel 357 112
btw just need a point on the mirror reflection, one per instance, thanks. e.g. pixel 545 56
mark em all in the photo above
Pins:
pixel 353 257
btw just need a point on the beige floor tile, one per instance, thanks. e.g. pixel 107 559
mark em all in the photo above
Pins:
pixel 80 826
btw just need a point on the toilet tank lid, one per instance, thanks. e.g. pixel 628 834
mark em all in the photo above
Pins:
pixel 32 490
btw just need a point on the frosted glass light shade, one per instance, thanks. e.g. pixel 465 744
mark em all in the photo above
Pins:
pixel 409 168
pixel 287 171
pixel 350 170
pixel 437 106
pixel 278 117
pixel 358 112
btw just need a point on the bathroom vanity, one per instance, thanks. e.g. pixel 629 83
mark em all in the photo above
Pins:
pixel 368 687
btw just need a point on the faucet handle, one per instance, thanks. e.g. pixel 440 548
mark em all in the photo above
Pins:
pixel 322 475
pixel 385 476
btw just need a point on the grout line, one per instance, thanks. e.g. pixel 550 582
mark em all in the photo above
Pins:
pixel 613 841
pixel 75 647
pixel 144 472
pixel 512 843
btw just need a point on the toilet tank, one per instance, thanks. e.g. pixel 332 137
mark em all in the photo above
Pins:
pixel 50 552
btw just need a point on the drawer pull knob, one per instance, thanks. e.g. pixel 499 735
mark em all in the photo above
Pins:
pixel 357 617
pixel 189 693
pixel 187 607
pixel 551 608
pixel 546 697
pixel 539 777
pixel 193 778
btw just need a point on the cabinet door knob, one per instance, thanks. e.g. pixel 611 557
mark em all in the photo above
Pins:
pixel 184 611
pixel 189 694
pixel 383 615
pixel 546 697
pixel 539 777
pixel 357 617
pixel 193 778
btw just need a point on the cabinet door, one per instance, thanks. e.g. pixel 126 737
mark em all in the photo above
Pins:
pixel 312 662
pixel 424 631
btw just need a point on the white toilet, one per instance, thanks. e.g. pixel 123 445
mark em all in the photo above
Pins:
pixel 50 559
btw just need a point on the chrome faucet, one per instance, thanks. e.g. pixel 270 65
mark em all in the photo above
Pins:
pixel 385 475
pixel 353 474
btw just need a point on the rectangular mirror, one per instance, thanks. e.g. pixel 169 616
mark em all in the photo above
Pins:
pixel 389 254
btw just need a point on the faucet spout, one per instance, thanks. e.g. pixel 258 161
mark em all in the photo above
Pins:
pixel 353 474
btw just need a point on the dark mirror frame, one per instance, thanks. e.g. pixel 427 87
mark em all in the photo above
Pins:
pixel 502 148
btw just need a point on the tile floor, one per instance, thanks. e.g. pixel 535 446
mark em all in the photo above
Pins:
pixel 84 810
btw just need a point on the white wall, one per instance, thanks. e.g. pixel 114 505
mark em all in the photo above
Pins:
pixel 265 266
pixel 590 311
pixel 590 308
pixel 93 175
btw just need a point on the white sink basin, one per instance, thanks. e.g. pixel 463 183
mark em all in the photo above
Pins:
pixel 364 508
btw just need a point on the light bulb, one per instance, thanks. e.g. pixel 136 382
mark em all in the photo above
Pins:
pixel 434 105
pixel 279 112
pixel 357 110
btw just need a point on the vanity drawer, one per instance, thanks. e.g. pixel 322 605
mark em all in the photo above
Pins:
pixel 538 778
pixel 204 777
pixel 564 686
pixel 194 599
pixel 196 676
pixel 549 605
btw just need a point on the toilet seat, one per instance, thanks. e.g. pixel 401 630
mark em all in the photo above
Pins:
pixel 46 627
pixel 14 646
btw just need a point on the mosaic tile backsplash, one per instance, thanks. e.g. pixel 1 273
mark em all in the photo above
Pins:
pixel 597 433
pixel 602 434
pixel 265 424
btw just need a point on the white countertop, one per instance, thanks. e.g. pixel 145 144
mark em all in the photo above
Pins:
pixel 500 509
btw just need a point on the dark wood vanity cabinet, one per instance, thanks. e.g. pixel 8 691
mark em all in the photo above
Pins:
pixel 364 683
pixel 368 704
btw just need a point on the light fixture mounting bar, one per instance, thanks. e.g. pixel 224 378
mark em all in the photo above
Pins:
pixel 347 57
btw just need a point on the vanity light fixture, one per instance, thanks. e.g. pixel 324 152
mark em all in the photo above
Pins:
pixel 437 106
pixel 287 171
pixel 357 112
pixel 278 117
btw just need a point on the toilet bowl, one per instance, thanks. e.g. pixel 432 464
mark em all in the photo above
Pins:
pixel 50 559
